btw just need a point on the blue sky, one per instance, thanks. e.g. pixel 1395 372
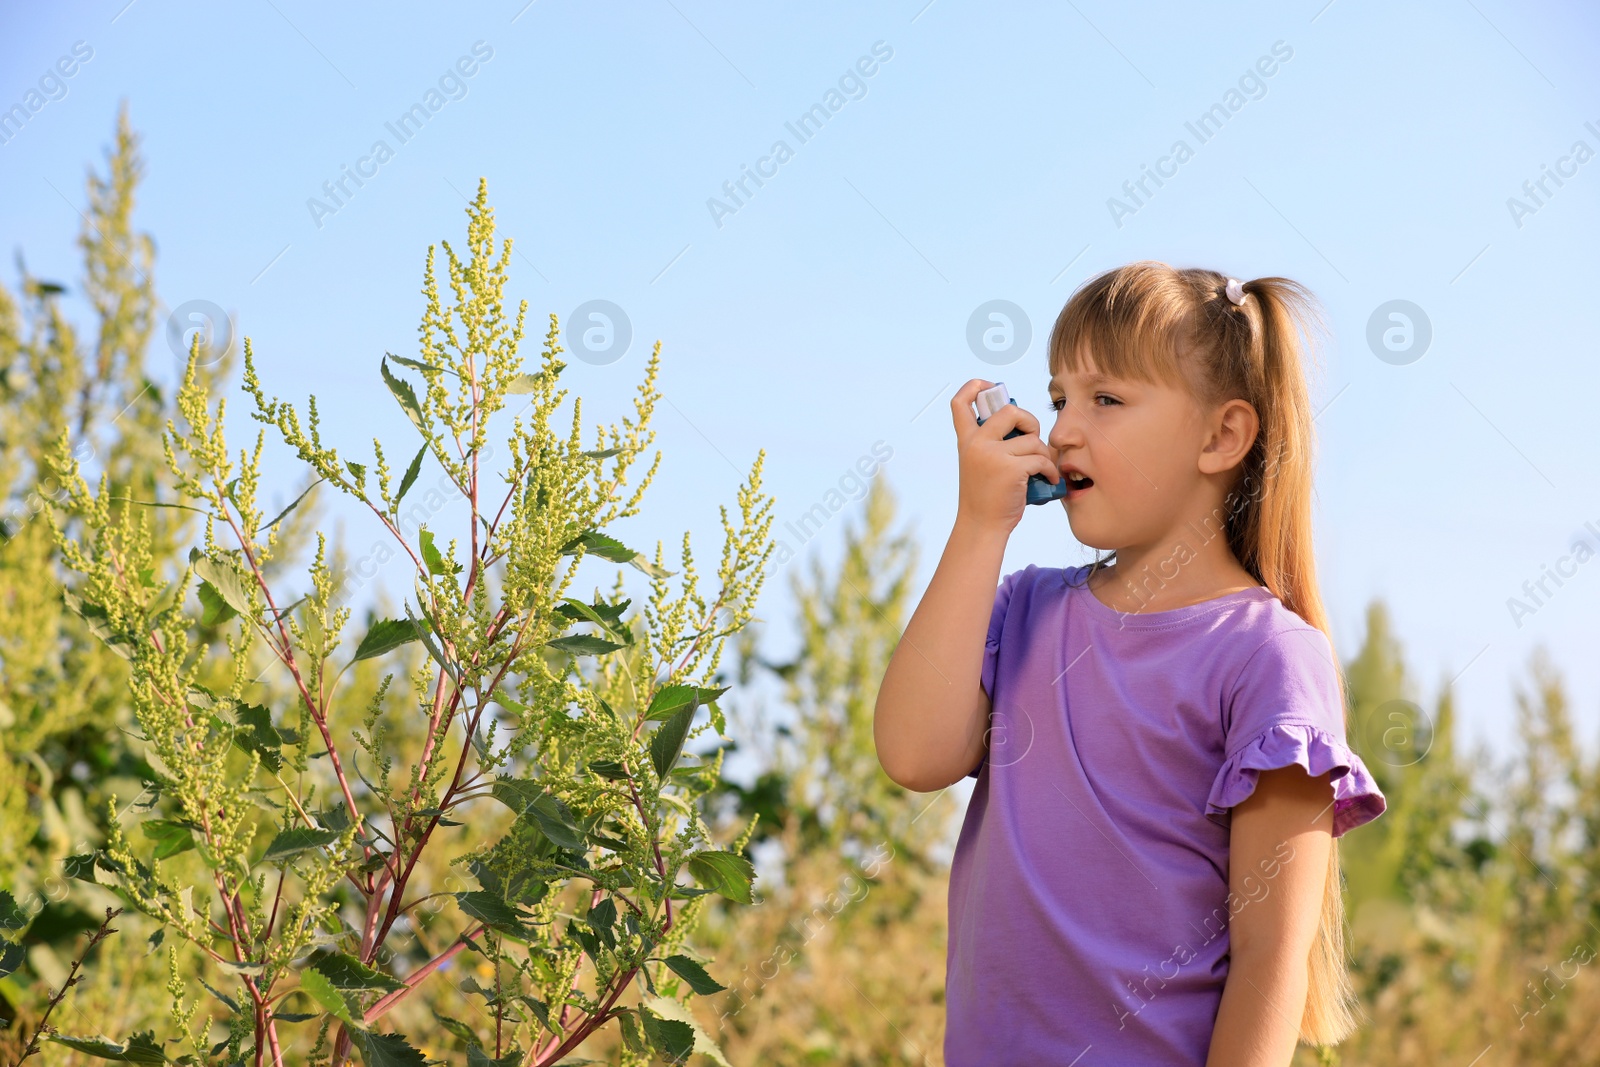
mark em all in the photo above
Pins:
pixel 827 314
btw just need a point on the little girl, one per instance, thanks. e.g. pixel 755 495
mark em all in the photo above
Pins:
pixel 1147 874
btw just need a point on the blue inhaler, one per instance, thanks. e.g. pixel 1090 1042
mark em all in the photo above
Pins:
pixel 991 400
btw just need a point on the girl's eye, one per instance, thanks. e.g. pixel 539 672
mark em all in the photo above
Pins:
pixel 1059 402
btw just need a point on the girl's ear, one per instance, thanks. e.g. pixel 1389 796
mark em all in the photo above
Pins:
pixel 1229 437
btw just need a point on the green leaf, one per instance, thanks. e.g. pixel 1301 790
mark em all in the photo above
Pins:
pixel 360 472
pixel 456 1027
pixel 602 453
pixel 557 823
pixel 141 1047
pixel 682 892
pixel 600 612
pixel 476 1057
pixel 406 396
pixel 630 1032
pixel 596 543
pixel 229 1001
pixel 417 364
pixel 615 844
pixel 523 384
pixel 99 623
pixel 291 507
pixel 344 971
pixel 294 841
pixel 214 609
pixel 83 867
pixel 642 563
pixel 170 837
pixel 666 744
pixel 727 873
pixel 550 812
pixel 540 1010
pixel 603 614
pixel 490 909
pixel 387 1050
pixel 583 645
pixel 255 733
pixel 80 867
pixel 602 919
pixel 672 1038
pixel 240 966
pixel 691 971
pixel 225 578
pixel 11 957
pixel 315 983
pixel 433 557
pixel 586 938
pixel 670 698
pixel 12 917
pixel 677 1011
pixel 410 476
pixel 609 769
pixel 385 636
pixel 433 649
pixel 281 612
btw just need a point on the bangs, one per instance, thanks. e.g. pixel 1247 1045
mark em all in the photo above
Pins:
pixel 1132 322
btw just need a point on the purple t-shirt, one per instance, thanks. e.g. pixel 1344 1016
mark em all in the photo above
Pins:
pixel 1089 888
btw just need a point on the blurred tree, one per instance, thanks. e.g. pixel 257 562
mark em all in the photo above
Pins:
pixel 849 618
pixel 1477 930
pixel 60 691
pixel 843 961
pixel 67 731
pixel 1411 753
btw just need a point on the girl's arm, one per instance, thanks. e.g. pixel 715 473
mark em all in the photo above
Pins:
pixel 932 712
pixel 1279 845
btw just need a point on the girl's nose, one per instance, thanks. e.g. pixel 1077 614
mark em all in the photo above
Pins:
pixel 1068 430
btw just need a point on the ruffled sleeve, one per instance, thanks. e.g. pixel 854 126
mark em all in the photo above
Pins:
pixel 1356 798
pixel 1286 708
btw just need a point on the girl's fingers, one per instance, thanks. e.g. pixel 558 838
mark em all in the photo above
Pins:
pixel 961 410
pixel 1028 445
pixel 1025 421
pixel 1011 417
pixel 1008 418
pixel 1045 466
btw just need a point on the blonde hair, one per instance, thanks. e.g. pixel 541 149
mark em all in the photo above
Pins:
pixel 1153 322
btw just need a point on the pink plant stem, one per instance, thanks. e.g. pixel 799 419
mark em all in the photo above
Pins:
pixel 416 977
pixel 592 1023
pixel 287 657
pixel 393 911
pixel 618 982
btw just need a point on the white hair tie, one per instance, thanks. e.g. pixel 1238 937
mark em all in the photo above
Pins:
pixel 1235 291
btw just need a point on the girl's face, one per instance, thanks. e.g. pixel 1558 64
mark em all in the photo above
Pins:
pixel 1139 444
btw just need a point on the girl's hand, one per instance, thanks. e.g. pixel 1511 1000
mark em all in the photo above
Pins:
pixel 994 471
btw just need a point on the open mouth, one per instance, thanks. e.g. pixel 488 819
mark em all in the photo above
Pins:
pixel 1076 481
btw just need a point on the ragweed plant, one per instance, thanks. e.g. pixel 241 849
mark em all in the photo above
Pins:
pixel 289 868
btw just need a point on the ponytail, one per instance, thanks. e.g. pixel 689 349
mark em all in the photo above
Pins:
pixel 1150 321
